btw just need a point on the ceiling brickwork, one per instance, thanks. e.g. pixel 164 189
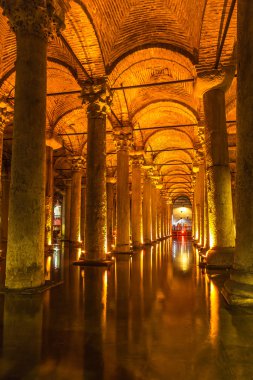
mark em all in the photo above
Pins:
pixel 144 44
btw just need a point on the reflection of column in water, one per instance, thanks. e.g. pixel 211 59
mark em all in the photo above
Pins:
pixel 122 313
pixel 21 336
pixel 48 268
pixel 214 313
pixel 93 322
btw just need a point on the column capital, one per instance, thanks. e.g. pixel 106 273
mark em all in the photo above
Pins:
pixel 111 180
pixel 77 163
pixel 5 116
pixel 213 79
pixel 148 173
pixel 123 138
pixel 97 96
pixel 137 159
pixel 43 18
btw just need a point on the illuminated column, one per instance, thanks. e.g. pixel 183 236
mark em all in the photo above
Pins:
pixel 239 289
pixel 49 196
pixel 146 213
pixel 201 204
pixel 137 230
pixel 221 226
pixel 123 141
pixel 206 220
pixel 170 213
pixel 5 206
pixel 110 184
pixel 159 211
pixel 75 209
pixel 194 207
pixel 97 96
pixel 154 209
pixel 165 218
pixel 83 202
pixel 162 218
pixel 25 252
pixel 67 210
pixel 4 118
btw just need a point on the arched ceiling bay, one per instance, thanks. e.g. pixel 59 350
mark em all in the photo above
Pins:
pixel 126 25
pixel 140 46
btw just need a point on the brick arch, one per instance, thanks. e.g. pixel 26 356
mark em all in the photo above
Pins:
pixel 81 35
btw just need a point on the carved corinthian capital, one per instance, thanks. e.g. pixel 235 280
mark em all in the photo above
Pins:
pixel 123 137
pixel 97 95
pixel 5 117
pixel 137 159
pixel 77 163
pixel 43 18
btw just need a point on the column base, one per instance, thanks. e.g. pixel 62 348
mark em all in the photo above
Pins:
pixel 138 247
pixel 238 290
pixel 76 244
pixel 123 248
pixel 93 263
pixel 220 257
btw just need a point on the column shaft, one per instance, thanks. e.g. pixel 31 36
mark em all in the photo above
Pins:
pixel 123 201
pixel 83 201
pixel 221 227
pixel 110 206
pixel 25 252
pixel 49 196
pixel 95 226
pixel 239 290
pixel 67 211
pixel 147 221
pixel 5 207
pixel 154 211
pixel 75 210
pixel 137 229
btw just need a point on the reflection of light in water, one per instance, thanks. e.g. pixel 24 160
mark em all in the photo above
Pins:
pixel 83 281
pixel 48 268
pixel 104 297
pixel 141 265
pixel 181 255
pixel 151 264
pixel 214 309
pixel 56 257
pixel 115 278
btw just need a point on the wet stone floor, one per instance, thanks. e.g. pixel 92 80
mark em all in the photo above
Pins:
pixel 152 316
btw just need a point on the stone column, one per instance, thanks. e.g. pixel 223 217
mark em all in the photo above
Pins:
pixel 197 205
pixel 170 213
pixel 75 210
pixel 221 226
pixel 123 202
pixel 159 212
pixel 67 210
pixel 110 184
pixel 25 252
pixel 201 205
pixel 5 206
pixel 137 228
pixel 154 209
pixel 147 220
pixel 162 218
pixel 83 201
pixel 97 96
pixel 239 289
pixel 49 196
pixel 4 118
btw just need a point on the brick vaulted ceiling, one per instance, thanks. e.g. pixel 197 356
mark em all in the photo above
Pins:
pixel 135 42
